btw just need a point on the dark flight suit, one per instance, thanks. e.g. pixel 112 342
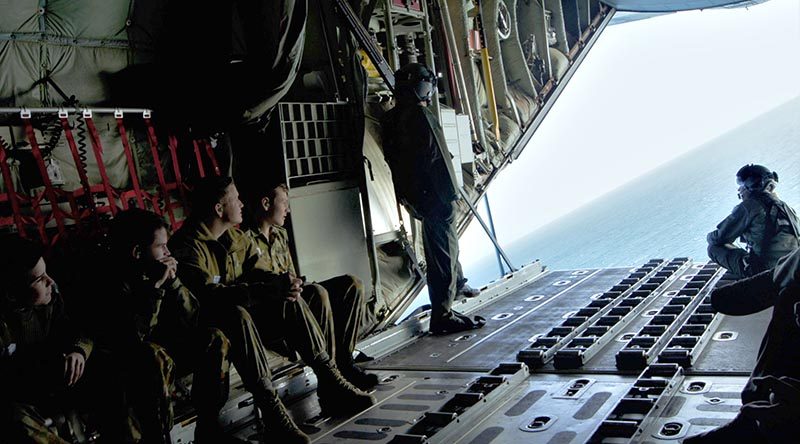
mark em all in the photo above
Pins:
pixel 155 329
pixel 229 273
pixel 779 354
pixel 342 296
pixel 424 180
pixel 33 343
pixel 766 224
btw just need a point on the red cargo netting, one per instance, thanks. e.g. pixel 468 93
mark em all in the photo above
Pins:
pixel 50 212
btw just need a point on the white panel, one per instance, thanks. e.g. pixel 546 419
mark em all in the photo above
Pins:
pixel 451 136
pixel 465 139
pixel 329 231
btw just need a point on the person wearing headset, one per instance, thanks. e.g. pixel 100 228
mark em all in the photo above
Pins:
pixel 766 224
pixel 424 180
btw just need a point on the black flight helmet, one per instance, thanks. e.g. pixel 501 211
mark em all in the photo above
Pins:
pixel 415 81
pixel 755 177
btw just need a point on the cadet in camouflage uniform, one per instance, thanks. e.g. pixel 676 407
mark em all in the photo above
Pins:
pixel 158 321
pixel 342 296
pixel 221 265
pixel 424 180
pixel 771 398
pixel 765 223
pixel 42 354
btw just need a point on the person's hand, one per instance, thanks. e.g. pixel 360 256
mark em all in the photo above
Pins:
pixel 170 270
pixel 784 401
pixel 74 364
pixel 295 289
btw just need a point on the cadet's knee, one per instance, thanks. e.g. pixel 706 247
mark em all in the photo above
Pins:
pixel 236 315
pixel 320 292
pixel 155 357
pixel 354 281
pixel 22 413
pixel 218 341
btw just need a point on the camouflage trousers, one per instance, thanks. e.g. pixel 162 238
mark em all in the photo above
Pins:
pixel 292 324
pixel 339 306
pixel 152 371
pixel 31 396
pixel 26 424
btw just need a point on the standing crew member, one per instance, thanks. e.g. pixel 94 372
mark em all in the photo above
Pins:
pixel 424 181
pixel 343 296
pixel 766 224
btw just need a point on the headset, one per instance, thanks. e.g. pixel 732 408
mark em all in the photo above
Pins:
pixel 416 79
pixel 755 177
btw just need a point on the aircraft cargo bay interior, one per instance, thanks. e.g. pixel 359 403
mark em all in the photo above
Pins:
pixel 239 222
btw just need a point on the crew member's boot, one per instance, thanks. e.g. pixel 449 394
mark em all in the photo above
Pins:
pixel 355 374
pixel 279 424
pixel 338 397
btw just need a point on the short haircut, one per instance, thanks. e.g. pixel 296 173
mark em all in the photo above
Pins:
pixel 269 190
pixel 134 227
pixel 207 192
pixel 18 258
pixel 253 209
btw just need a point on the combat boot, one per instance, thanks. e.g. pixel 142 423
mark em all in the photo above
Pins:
pixel 356 375
pixel 280 426
pixel 337 397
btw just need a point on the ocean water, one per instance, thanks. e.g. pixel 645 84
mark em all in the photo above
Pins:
pixel 667 212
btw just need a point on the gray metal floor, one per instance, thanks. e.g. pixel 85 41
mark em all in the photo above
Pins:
pixel 431 377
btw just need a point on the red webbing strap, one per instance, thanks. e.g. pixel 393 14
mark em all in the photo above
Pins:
pixel 131 165
pixel 162 183
pixel 176 168
pixel 210 153
pixel 199 159
pixel 97 147
pixel 12 194
pixel 48 186
pixel 79 165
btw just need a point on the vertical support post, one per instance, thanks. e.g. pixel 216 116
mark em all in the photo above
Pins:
pixel 391 43
pixel 97 147
pixel 12 194
pixel 123 135
pixel 494 233
pixel 48 185
pixel 426 27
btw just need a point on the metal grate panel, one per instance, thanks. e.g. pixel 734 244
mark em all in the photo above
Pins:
pixel 317 142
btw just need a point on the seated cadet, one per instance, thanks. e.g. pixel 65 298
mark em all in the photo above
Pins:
pixel 42 354
pixel 765 223
pixel 771 400
pixel 342 296
pixel 220 264
pixel 158 320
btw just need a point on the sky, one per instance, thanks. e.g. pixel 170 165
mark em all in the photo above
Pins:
pixel 647 92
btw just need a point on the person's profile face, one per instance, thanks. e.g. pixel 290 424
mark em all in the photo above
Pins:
pixel 158 249
pixel 231 206
pixel 40 284
pixel 279 208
